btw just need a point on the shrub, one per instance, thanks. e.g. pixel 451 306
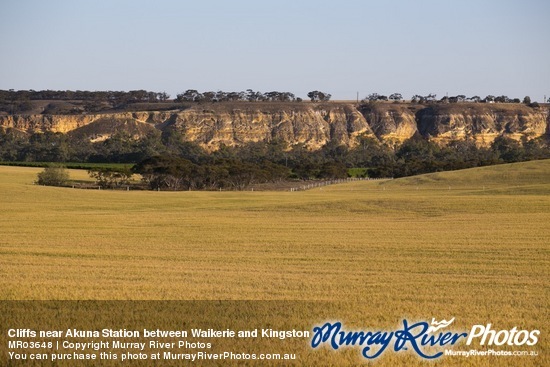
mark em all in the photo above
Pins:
pixel 53 176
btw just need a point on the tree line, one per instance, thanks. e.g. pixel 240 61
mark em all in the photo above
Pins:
pixel 167 162
pixel 75 102
pixel 192 95
pixel 135 96
pixel 12 101
pixel 79 95
pixel 237 168
pixel 461 98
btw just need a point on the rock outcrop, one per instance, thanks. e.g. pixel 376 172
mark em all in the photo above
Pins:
pixel 484 123
pixel 312 125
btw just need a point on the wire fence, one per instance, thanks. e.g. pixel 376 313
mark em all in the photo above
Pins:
pixel 314 185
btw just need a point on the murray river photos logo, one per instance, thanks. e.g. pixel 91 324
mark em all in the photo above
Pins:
pixel 427 340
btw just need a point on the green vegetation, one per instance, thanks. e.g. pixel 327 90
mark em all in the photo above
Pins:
pixel 358 172
pixel 76 102
pixel 172 173
pixel 53 175
pixel 111 178
pixel 317 96
pixel 167 161
pixel 261 162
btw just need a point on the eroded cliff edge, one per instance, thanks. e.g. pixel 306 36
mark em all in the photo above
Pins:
pixel 313 125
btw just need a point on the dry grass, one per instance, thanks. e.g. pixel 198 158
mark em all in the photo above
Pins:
pixel 468 244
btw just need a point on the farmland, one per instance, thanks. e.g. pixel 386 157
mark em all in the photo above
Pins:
pixel 469 244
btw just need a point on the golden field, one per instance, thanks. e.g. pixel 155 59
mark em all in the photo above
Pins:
pixel 470 244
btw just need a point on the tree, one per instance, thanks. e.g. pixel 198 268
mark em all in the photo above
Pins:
pixel 241 175
pixel 109 178
pixel 475 99
pixel 538 148
pixel 372 97
pixel 423 99
pixel 271 96
pixel 12 143
pixel 47 147
pixel 430 97
pixel 396 97
pixel 163 96
pixel 502 99
pixel 333 170
pixel 53 175
pixel 317 96
pixel 190 95
pixel 508 150
pixel 168 172
pixel 210 97
pixel 526 100
pixel 253 96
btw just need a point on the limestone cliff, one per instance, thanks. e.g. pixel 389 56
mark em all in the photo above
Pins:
pixel 484 124
pixel 313 125
pixel 393 123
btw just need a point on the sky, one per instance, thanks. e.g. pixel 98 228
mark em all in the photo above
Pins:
pixel 344 47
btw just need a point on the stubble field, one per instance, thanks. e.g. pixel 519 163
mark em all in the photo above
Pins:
pixel 470 244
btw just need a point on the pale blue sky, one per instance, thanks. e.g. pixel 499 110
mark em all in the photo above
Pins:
pixel 471 47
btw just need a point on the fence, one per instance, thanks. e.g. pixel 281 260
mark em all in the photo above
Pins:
pixel 333 182
pixel 304 187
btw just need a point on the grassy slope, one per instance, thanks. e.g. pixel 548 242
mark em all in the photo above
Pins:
pixel 471 244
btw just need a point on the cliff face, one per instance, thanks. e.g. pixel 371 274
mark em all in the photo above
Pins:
pixel 393 124
pixel 484 125
pixel 308 124
pixel 313 127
